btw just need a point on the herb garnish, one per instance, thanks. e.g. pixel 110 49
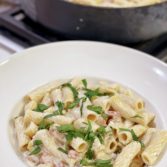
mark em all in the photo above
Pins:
pixel 82 103
pixel 84 82
pixel 73 89
pixel 51 115
pixel 37 147
pixel 60 106
pixel 86 134
pixel 73 104
pixel 137 116
pixel 65 128
pixel 96 109
pixel 70 131
pixel 41 108
pixel 44 124
pixel 100 133
pixel 96 163
pixel 90 137
pixel 93 93
pixel 135 138
pixel 63 150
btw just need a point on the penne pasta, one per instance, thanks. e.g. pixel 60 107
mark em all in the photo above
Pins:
pixel 126 137
pixel 79 144
pixel 39 93
pixel 135 102
pixel 156 146
pixel 31 129
pixel 127 155
pixel 22 138
pixel 48 142
pixel 47 100
pixel 148 136
pixel 88 114
pixel 110 144
pixel 129 113
pixel 83 123
pixel 67 95
pixel 56 95
pixel 103 101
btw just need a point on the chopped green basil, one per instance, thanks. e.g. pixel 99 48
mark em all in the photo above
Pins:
pixel 36 150
pixel 74 91
pixel 105 116
pixel 37 147
pixel 137 116
pixel 37 142
pixel 84 81
pixel 86 134
pixel 70 131
pixel 63 150
pixel 100 133
pixel 92 93
pixel 90 153
pixel 89 137
pixel 65 128
pixel 51 115
pixel 73 104
pixel 41 108
pixel 60 106
pixel 82 103
pixel 102 163
pixel 97 109
pixel 96 163
pixel 44 124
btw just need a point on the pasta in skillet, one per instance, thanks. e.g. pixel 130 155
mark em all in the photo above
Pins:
pixel 79 123
pixel 116 3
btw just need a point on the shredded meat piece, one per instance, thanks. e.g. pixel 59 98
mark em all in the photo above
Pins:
pixel 101 121
pixel 72 154
pixel 60 164
pixel 46 158
pixel 59 137
pixel 113 116
pixel 34 159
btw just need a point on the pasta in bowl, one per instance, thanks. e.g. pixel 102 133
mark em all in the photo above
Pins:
pixel 83 123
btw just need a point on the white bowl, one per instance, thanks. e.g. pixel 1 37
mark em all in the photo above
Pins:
pixel 39 65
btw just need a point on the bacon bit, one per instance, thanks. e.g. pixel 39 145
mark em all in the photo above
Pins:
pixel 46 158
pixel 72 154
pixel 57 136
pixel 33 159
pixel 112 113
pixel 113 116
pixel 101 121
pixel 60 164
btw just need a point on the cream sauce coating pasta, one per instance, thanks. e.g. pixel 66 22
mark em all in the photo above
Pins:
pixel 79 123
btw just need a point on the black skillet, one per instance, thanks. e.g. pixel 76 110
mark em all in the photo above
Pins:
pixel 120 25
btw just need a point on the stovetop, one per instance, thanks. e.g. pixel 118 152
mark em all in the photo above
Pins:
pixel 21 29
